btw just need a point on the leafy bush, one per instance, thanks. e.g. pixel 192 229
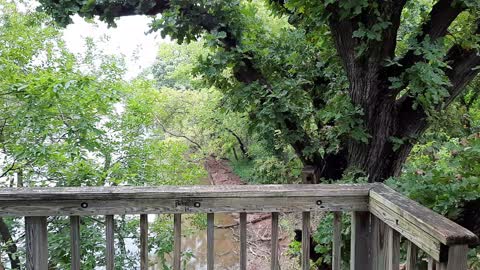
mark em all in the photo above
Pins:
pixel 444 176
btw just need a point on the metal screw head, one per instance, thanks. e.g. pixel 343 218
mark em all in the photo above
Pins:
pixel 319 202
pixel 196 204
pixel 84 205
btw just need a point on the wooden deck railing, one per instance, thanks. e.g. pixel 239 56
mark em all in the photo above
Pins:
pixel 380 217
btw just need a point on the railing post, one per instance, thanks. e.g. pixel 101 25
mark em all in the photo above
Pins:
pixel 210 241
pixel 360 249
pixel 75 242
pixel 393 251
pixel 36 243
pixel 110 242
pixel 379 244
pixel 337 241
pixel 274 237
pixel 143 242
pixel 243 241
pixel 412 254
pixel 306 241
pixel 457 258
pixel 177 236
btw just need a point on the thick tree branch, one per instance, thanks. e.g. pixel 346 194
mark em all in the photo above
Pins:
pixel 442 15
pixel 243 148
pixel 178 135
pixel 464 66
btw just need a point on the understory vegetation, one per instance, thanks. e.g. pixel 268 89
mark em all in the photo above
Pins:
pixel 263 87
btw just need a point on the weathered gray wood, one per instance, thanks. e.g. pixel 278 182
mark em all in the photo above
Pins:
pixel 311 174
pixel 210 241
pixel 380 242
pixel 179 192
pixel 177 242
pixel 337 241
pixel 393 259
pixel 412 256
pixel 457 258
pixel 36 243
pixel 274 237
pixel 243 241
pixel 182 205
pixel 305 240
pixel 110 242
pixel 431 264
pixel 410 231
pixel 144 242
pixel 360 248
pixel 75 242
pixel 444 230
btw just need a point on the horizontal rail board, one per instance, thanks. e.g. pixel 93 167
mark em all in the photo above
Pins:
pixel 419 237
pixel 182 205
pixel 397 207
pixel 204 191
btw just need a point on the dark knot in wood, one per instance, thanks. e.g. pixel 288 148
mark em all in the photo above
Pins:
pixel 187 203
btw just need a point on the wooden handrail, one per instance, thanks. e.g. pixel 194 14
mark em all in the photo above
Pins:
pixel 380 217
pixel 195 199
pixel 442 239
pixel 441 228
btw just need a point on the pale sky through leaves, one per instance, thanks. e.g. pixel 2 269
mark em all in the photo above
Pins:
pixel 128 39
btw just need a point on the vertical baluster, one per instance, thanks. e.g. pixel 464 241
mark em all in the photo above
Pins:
pixel 412 254
pixel 75 242
pixel 337 241
pixel 431 263
pixel 393 252
pixel 210 241
pixel 306 241
pixel 36 243
pixel 360 257
pixel 177 236
pixel 110 242
pixel 274 236
pixel 143 242
pixel 382 257
pixel 457 258
pixel 243 241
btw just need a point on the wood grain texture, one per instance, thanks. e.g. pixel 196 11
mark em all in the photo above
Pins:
pixel 181 205
pixel 177 241
pixel 410 231
pixel 380 242
pixel 360 247
pixel 210 241
pixel 163 192
pixel 457 258
pixel 75 242
pixel 442 229
pixel 243 241
pixel 412 256
pixel 36 243
pixel 110 242
pixel 144 242
pixel 393 259
pixel 337 241
pixel 306 241
pixel 274 243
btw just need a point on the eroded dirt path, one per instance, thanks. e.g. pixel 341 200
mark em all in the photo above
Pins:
pixel 258 227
